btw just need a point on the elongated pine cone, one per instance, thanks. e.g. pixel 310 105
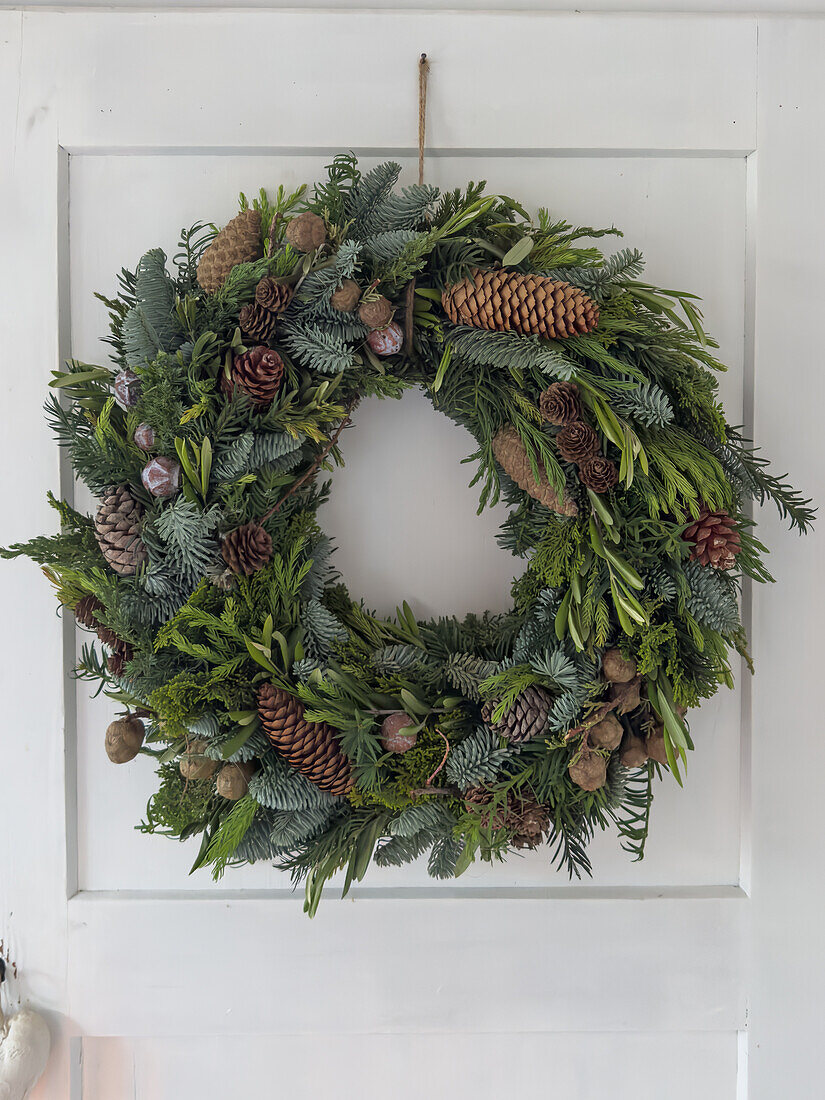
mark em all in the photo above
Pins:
pixel 526 718
pixel 577 442
pixel 559 404
pixel 239 242
pixel 247 549
pixel 715 539
pixel 272 295
pixel 506 301
pixel 256 323
pixel 117 526
pixel 310 747
pixel 511 454
pixel 258 372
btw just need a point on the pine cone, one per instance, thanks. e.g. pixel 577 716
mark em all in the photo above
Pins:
pixel 258 372
pixel 598 474
pixel 577 442
pixel 310 747
pixel 511 454
pixel 506 301
pixel 715 539
pixel 272 295
pixel 85 612
pixel 247 549
pixel 239 242
pixel 256 323
pixel 526 718
pixel 117 526
pixel 521 815
pixel 560 404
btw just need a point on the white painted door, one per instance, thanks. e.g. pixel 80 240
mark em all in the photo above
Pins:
pixel 695 973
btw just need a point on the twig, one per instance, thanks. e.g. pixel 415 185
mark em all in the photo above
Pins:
pixel 313 469
pixel 408 315
pixel 443 760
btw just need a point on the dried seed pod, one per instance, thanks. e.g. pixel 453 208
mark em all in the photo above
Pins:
pixel 626 696
pixel 124 738
pixel 346 297
pixel 306 232
pixel 606 734
pixel 655 745
pixel 633 753
pixel 393 737
pixel 616 668
pixel 232 781
pixel 590 771
pixel 193 763
pixel 376 312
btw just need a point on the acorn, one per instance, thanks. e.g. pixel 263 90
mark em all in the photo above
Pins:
pixel 346 297
pixel 124 739
pixel 193 763
pixel 589 772
pixel 393 737
pixel 616 668
pixel 376 312
pixel 306 232
pixel 606 734
pixel 386 341
pixel 161 476
pixel 232 781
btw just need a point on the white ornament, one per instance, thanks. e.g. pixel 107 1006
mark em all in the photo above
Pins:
pixel 24 1052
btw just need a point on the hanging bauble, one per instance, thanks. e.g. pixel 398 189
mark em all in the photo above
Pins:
pixel 194 764
pixel 232 781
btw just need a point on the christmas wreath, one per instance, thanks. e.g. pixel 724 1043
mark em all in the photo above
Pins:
pixel 289 723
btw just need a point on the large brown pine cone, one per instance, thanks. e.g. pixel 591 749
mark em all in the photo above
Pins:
pixel 258 372
pixel 577 442
pixel 247 549
pixel 238 242
pixel 272 295
pixel 504 301
pixel 511 454
pixel 117 526
pixel 310 747
pixel 526 718
pixel 256 323
pixel 559 403
pixel 598 474
pixel 715 539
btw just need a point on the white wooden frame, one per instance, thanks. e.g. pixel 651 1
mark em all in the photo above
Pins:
pixel 704 948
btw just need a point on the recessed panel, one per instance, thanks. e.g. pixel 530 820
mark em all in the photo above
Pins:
pixel 403 515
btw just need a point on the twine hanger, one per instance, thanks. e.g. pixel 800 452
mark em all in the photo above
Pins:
pixel 423 73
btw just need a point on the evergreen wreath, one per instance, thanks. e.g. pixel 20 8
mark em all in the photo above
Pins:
pixel 289 723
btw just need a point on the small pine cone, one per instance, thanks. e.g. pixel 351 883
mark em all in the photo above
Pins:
pixel 247 549
pixel 310 747
pixel 598 474
pixel 117 526
pixel 715 539
pixel 506 301
pixel 528 820
pixel 526 718
pixel 85 612
pixel 256 323
pixel 238 242
pixel 258 372
pixel 511 454
pixel 272 295
pixel 577 442
pixel 306 232
pixel 120 656
pixel 492 810
pixel 559 404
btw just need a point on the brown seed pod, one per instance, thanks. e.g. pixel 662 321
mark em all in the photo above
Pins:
pixel 655 745
pixel 193 763
pixel 589 772
pixel 346 297
pixel 626 696
pixel 376 313
pixel 633 753
pixel 616 668
pixel 606 734
pixel 306 232
pixel 232 781
pixel 393 737
pixel 124 739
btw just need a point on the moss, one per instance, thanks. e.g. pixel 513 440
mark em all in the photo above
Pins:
pixel 180 806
